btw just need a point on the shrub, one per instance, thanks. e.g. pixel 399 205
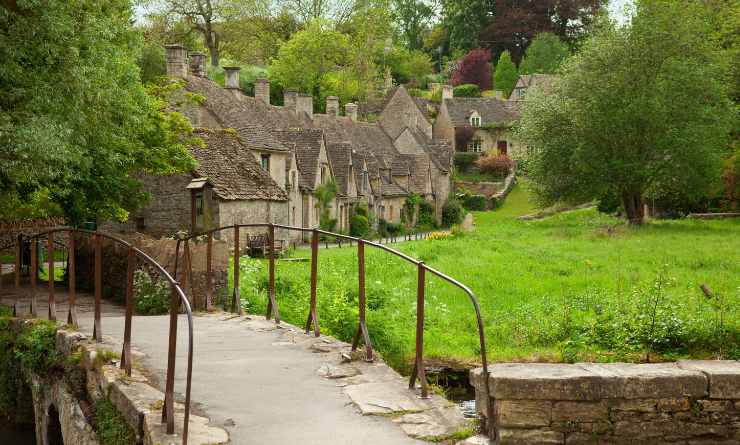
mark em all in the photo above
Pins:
pixel 36 348
pixel 474 202
pixel 152 296
pixel 426 215
pixel 359 226
pixel 466 90
pixel 463 161
pixel 394 229
pixel 496 164
pixel 452 213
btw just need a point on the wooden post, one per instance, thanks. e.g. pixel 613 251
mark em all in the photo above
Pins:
pixel 126 352
pixel 419 362
pixel 187 272
pixel 209 272
pixel 362 326
pixel 52 297
pixel 72 276
pixel 33 275
pixel 236 301
pixel 272 307
pixel 312 318
pixel 98 276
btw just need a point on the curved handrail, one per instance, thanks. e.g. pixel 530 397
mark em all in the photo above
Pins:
pixel 471 295
pixel 183 300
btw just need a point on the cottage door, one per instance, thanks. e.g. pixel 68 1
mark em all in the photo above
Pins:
pixel 502 147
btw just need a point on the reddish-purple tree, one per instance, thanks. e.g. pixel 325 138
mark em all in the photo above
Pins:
pixel 474 68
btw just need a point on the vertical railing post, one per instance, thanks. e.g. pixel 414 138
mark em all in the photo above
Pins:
pixel 187 273
pixel 168 409
pixel 209 272
pixel 17 272
pixel 72 277
pixel 126 352
pixel 52 298
pixel 362 326
pixel 312 318
pixel 33 275
pixel 98 277
pixel 419 362
pixel 272 307
pixel 236 301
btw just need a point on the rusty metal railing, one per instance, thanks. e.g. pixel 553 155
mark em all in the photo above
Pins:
pixel 312 318
pixel 177 298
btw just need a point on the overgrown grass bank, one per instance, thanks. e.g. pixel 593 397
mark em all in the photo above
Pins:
pixel 576 286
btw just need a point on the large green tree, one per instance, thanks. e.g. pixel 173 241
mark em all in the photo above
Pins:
pixel 544 55
pixel 413 18
pixel 76 123
pixel 642 110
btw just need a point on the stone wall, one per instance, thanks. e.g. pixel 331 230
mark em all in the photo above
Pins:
pixel 486 189
pixel 9 230
pixel 687 403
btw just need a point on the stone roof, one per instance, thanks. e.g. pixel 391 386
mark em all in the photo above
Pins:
pixel 491 110
pixel 306 142
pixel 340 157
pixel 536 80
pixel 232 169
pixel 420 168
pixel 392 188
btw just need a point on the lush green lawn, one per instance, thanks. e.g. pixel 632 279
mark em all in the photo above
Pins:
pixel 575 286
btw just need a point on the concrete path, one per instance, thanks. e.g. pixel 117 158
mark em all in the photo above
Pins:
pixel 275 385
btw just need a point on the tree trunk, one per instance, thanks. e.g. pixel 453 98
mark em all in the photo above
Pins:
pixel 634 207
pixel 211 43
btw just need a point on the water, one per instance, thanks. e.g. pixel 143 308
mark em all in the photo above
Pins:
pixel 17 435
pixel 468 409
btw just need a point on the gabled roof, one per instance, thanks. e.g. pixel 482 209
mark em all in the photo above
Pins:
pixel 490 110
pixel 306 142
pixel 391 188
pixel 231 168
pixel 340 157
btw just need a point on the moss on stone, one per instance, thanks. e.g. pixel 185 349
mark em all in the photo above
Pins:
pixel 110 425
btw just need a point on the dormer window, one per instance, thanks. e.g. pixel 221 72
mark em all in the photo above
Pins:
pixel 265 162
pixel 475 120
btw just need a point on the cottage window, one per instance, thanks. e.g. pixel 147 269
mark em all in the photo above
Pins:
pixel 265 160
pixel 476 146
pixel 199 209
pixel 475 121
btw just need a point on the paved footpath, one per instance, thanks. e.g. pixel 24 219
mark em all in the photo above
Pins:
pixel 275 385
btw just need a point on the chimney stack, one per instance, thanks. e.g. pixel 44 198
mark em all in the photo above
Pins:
pixel 176 64
pixel 350 110
pixel 499 95
pixel 198 64
pixel 304 103
pixel 231 77
pixel 262 90
pixel 447 92
pixel 332 106
pixel 289 98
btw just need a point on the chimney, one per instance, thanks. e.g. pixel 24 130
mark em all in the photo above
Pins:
pixel 499 95
pixel 231 76
pixel 198 64
pixel 447 92
pixel 262 90
pixel 176 63
pixel 289 97
pixel 350 110
pixel 304 103
pixel 332 106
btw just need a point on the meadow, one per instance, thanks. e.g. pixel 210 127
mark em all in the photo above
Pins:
pixel 575 286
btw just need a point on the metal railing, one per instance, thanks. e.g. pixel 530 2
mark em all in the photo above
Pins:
pixel 177 298
pixel 312 316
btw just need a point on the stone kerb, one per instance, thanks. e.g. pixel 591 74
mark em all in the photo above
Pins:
pixel 688 402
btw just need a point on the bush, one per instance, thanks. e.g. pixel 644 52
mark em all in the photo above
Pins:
pixel 463 160
pixel 499 165
pixel 359 226
pixel 474 68
pixel 152 296
pixel 452 213
pixel 474 202
pixel 426 215
pixel 394 229
pixel 466 90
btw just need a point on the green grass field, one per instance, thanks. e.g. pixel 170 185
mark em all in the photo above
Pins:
pixel 576 286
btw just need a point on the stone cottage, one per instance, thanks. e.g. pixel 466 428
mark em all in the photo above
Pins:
pixel 527 81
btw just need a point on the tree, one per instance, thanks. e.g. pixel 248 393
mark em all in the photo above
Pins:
pixel 207 16
pixel 544 55
pixel 311 53
pixel 75 122
pixel 336 11
pixel 415 66
pixel 517 22
pixel 641 111
pixel 474 68
pixel 413 18
pixel 257 39
pixel 465 20
pixel 506 74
